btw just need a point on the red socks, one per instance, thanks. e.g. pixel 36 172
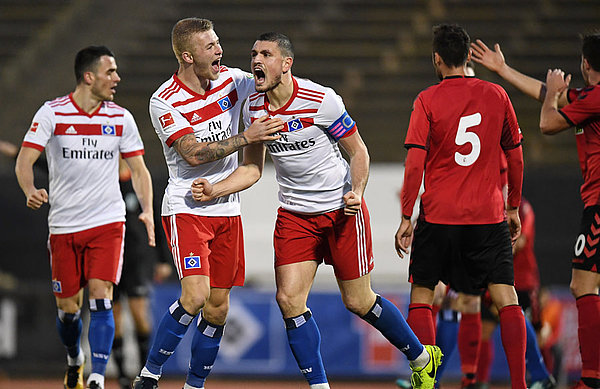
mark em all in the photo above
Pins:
pixel 420 320
pixel 514 340
pixel 486 357
pixel 469 338
pixel 588 308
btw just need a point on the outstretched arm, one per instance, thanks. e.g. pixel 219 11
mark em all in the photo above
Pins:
pixel 142 185
pixel 494 61
pixel 197 153
pixel 24 171
pixel 242 178
pixel 551 121
pixel 359 171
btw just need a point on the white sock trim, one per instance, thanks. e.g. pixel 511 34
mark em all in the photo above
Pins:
pixel 77 361
pixel 421 361
pixel 146 373
pixel 324 385
pixel 188 386
pixel 96 377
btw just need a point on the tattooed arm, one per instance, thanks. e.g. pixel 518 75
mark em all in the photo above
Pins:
pixel 197 153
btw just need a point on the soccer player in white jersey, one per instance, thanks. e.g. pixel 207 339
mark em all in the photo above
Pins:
pixel 83 135
pixel 322 217
pixel 195 114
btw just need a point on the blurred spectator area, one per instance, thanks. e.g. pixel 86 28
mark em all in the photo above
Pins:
pixel 375 53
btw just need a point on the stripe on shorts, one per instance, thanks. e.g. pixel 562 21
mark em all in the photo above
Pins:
pixel 361 243
pixel 175 245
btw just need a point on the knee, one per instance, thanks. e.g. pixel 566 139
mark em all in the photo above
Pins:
pixel 68 305
pixel 358 305
pixel 216 312
pixel 290 304
pixel 576 289
pixel 192 302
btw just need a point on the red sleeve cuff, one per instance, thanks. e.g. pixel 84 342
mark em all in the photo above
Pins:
pixel 132 153
pixel 179 134
pixel 33 146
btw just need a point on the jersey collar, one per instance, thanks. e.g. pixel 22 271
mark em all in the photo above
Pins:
pixel 81 111
pixel 286 105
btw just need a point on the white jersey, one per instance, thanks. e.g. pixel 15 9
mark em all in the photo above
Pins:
pixel 175 111
pixel 83 161
pixel 311 172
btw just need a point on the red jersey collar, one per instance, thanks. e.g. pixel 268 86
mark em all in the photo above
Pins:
pixel 286 105
pixel 81 111
pixel 207 92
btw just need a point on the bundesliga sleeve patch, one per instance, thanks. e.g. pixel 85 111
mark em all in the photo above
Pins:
pixel 341 126
pixel 166 120
pixel 34 126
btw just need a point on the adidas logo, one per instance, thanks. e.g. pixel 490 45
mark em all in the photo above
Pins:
pixel 196 117
pixel 71 130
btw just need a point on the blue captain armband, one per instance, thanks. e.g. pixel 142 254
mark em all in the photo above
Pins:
pixel 341 126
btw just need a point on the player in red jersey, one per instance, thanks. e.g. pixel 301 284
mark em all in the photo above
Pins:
pixel 196 114
pixel 563 108
pixel 81 133
pixel 458 128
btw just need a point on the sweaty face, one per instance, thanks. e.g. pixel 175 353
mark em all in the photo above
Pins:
pixel 206 52
pixel 105 79
pixel 267 65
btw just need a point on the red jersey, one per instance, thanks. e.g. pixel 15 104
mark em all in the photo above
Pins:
pixel 464 124
pixel 526 270
pixel 583 112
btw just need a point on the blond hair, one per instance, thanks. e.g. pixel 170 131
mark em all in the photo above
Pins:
pixel 184 30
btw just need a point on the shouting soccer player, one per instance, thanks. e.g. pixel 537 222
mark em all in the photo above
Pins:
pixel 323 217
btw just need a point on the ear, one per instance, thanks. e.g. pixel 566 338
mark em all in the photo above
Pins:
pixel 469 55
pixel 287 64
pixel 585 63
pixel 187 57
pixel 89 78
pixel 437 59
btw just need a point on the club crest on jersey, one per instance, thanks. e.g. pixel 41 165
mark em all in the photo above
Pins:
pixel 34 126
pixel 166 120
pixel 107 129
pixel 294 125
pixel 578 130
pixel 225 103
pixel 192 262
pixel 56 286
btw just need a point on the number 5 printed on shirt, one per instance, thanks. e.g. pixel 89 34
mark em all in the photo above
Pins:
pixel 463 136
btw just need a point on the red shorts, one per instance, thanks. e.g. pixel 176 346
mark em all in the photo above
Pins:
pixel 211 246
pixel 341 241
pixel 79 256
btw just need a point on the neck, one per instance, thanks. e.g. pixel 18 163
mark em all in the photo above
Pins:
pixel 282 93
pixel 449 72
pixel 594 78
pixel 190 79
pixel 85 100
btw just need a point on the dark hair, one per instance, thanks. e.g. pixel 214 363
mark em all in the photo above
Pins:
pixel 590 49
pixel 283 42
pixel 452 43
pixel 87 59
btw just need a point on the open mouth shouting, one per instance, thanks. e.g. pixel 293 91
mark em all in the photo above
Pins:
pixel 216 65
pixel 259 75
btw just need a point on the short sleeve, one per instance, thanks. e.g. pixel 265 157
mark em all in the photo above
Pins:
pixel 41 129
pixel 419 126
pixel 244 82
pixel 168 123
pixel 333 117
pixel 511 133
pixel 131 142
pixel 584 105
pixel 247 120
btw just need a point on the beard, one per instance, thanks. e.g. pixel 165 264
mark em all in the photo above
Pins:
pixel 270 86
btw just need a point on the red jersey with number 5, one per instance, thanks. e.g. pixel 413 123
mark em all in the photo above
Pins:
pixel 464 124
pixel 583 112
